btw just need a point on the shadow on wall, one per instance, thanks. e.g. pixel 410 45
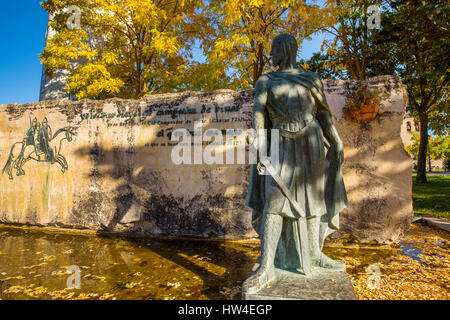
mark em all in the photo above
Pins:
pixel 378 175
pixel 141 205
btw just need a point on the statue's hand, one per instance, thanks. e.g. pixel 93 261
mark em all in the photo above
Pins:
pixel 260 169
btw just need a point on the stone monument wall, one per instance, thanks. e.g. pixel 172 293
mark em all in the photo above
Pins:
pixel 109 165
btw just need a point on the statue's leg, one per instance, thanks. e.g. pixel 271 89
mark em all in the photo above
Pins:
pixel 313 225
pixel 320 259
pixel 324 231
pixel 272 226
pixel 271 232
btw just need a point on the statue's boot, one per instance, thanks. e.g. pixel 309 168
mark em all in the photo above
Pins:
pixel 272 225
pixel 259 280
pixel 328 263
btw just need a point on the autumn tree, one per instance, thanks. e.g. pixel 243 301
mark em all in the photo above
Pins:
pixel 418 32
pixel 124 48
pixel 438 148
pixel 239 32
pixel 413 43
pixel 352 47
pixel 321 64
pixel 206 76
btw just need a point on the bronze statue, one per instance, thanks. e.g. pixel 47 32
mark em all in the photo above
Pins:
pixel 297 205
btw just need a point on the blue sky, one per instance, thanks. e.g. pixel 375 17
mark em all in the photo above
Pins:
pixel 22 31
pixel 23 25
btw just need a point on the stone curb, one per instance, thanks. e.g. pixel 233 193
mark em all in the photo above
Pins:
pixel 434 222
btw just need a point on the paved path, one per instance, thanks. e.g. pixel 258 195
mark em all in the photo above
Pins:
pixel 434 222
pixel 437 173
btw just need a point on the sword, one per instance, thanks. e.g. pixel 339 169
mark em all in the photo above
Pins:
pixel 302 243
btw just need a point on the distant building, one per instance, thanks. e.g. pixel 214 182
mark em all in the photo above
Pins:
pixel 409 126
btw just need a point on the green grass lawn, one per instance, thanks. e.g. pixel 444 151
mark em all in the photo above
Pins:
pixel 432 198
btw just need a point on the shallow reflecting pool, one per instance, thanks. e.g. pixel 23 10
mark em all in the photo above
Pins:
pixel 33 265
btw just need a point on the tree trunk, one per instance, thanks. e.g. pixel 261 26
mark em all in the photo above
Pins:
pixel 423 146
pixel 430 169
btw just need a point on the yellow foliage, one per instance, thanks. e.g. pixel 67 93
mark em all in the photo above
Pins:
pixel 128 48
pixel 124 48
pixel 243 30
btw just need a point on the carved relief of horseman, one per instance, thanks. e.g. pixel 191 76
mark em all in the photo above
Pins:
pixel 43 137
pixel 39 145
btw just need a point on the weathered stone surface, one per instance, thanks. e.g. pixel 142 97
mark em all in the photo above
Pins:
pixel 377 169
pixel 322 284
pixel 121 177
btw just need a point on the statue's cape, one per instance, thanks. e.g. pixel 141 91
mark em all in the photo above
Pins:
pixel 309 80
pixel 335 193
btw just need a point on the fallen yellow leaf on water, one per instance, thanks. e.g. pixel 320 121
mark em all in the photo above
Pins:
pixel 13 278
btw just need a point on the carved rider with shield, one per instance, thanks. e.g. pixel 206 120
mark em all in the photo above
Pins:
pixel 29 140
pixel 44 136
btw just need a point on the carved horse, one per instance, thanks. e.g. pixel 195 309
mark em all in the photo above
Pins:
pixel 21 154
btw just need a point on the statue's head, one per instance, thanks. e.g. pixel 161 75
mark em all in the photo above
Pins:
pixel 44 121
pixel 34 124
pixel 284 50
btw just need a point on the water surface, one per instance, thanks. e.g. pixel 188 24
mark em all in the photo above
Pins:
pixel 33 265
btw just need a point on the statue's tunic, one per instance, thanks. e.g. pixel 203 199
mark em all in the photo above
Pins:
pixel 301 147
pixel 307 166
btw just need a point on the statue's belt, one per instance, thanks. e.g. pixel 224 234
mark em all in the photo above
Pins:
pixel 296 134
pixel 300 117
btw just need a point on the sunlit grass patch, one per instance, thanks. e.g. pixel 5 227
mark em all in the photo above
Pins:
pixel 432 198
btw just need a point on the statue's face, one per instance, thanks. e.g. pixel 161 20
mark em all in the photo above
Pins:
pixel 44 122
pixel 34 123
pixel 276 54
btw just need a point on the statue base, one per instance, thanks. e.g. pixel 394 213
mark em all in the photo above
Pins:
pixel 321 284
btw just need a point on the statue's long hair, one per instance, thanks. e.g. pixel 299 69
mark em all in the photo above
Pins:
pixel 289 46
